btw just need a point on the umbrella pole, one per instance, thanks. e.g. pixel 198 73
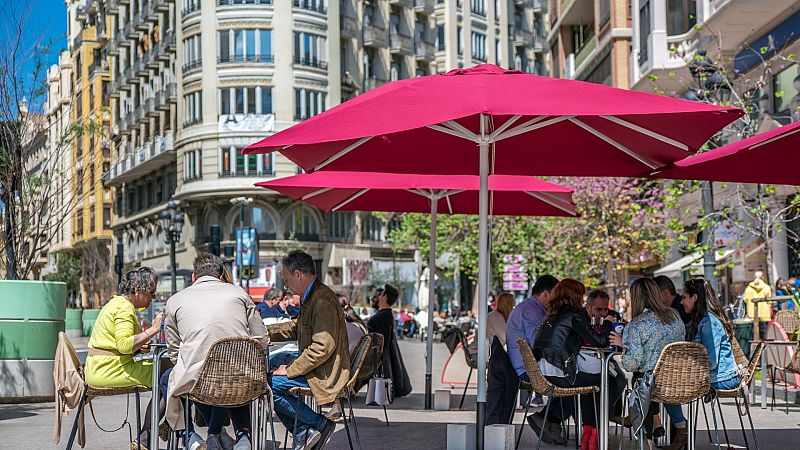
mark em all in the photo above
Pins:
pixel 483 266
pixel 431 298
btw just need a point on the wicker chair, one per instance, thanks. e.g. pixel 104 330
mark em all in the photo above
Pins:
pixel 794 368
pixel 234 374
pixel 682 376
pixel 358 370
pixel 540 385
pixel 469 358
pixel 789 321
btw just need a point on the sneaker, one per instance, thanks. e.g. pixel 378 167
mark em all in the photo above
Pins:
pixel 226 440
pixel 537 423
pixel 325 435
pixel 213 443
pixel 243 443
pixel 195 442
pixel 135 446
pixel 306 440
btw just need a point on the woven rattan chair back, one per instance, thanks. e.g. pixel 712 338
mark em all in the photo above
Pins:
pixel 234 373
pixel 539 383
pixel 358 367
pixel 468 357
pixel 789 320
pixel 681 374
pixel 755 359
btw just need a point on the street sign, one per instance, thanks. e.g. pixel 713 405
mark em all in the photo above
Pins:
pixel 515 275
pixel 247 252
pixel 515 286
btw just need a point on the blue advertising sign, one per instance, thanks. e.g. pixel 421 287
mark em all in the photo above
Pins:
pixel 246 247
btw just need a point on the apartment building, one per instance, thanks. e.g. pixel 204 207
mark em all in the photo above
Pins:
pixel 91 151
pixel 589 40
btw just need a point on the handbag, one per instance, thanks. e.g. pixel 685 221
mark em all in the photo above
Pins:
pixel 380 391
pixel 588 362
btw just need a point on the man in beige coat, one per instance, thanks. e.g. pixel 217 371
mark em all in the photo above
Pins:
pixel 323 362
pixel 196 317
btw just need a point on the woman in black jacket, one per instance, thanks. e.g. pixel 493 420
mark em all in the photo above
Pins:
pixel 557 346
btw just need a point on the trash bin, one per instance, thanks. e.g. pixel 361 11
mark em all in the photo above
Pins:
pixel 743 330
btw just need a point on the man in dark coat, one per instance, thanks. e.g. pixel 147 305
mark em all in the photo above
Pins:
pixel 383 322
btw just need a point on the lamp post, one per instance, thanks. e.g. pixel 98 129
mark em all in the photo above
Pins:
pixel 241 202
pixel 172 223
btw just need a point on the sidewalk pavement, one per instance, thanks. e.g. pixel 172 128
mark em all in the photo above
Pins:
pixel 30 426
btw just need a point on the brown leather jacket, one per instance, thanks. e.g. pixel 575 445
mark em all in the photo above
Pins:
pixel 321 336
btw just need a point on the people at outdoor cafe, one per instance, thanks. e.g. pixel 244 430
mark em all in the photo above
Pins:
pixel 653 326
pixel 117 337
pixel 196 317
pixel 323 360
pixel 711 328
pixel 557 345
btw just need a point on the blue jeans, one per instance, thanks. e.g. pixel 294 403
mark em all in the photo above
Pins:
pixel 675 414
pixel 732 383
pixel 286 405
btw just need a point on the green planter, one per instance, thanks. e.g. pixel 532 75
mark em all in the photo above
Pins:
pixel 89 318
pixel 31 316
pixel 73 325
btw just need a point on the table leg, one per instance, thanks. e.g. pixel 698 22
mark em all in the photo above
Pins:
pixel 603 413
pixel 692 425
pixel 764 377
pixel 154 399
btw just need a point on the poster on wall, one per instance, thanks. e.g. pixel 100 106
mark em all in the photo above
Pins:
pixel 356 272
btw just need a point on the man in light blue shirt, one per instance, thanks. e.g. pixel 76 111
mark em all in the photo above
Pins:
pixel 525 318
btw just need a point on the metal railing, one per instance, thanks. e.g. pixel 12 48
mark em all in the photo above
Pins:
pixel 423 6
pixel 424 50
pixel 236 59
pixel 311 62
pixel 243 2
pixel 311 5
pixel 400 42
pixel 374 35
pixel 196 64
pixel 585 51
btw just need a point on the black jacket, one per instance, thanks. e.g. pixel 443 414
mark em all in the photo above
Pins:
pixel 558 339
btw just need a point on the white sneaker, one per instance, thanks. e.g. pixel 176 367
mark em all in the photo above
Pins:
pixel 195 442
pixel 226 440
pixel 243 444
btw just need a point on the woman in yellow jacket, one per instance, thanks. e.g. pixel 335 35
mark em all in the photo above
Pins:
pixel 117 337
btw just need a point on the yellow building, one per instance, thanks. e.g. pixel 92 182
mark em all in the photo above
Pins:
pixel 91 151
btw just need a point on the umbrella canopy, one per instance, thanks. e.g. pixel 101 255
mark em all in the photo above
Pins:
pixel 538 125
pixel 739 161
pixel 458 194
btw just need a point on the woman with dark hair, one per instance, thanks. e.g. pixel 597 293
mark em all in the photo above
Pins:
pixel 556 346
pixel 710 328
pixel 117 337
pixel 356 328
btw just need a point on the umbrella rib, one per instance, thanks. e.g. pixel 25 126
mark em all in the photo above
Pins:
pixel 449 205
pixel 534 125
pixel 554 198
pixel 510 122
pixel 446 130
pixel 616 144
pixel 342 152
pixel 536 195
pixel 315 193
pixel 350 199
pixel 773 139
pixel 647 132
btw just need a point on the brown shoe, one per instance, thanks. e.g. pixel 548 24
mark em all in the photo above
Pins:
pixel 680 440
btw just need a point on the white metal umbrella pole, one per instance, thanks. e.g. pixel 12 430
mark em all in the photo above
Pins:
pixel 483 266
pixel 431 298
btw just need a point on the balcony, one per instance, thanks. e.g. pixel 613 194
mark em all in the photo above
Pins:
pixel 522 37
pixel 307 61
pixel 539 6
pixel 584 52
pixel 151 58
pixel 165 46
pixel 153 155
pixel 349 26
pixel 130 30
pixel 141 68
pixel 150 107
pixel 424 51
pixel 130 120
pixel 316 6
pixel 172 92
pixel 373 82
pixel 576 12
pixel 130 77
pixel 192 66
pixel 241 59
pixel 161 5
pixel 193 8
pixel 374 36
pixel 539 43
pixel 243 3
pixel 140 20
pixel 112 7
pixel 162 102
pixel 400 43
pixel 406 3
pixel 423 6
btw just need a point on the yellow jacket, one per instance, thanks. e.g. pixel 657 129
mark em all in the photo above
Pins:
pixel 758 289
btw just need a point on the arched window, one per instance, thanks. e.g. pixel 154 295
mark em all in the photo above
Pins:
pixel 130 248
pixel 302 225
pixel 139 246
pixel 260 219
pixel 149 243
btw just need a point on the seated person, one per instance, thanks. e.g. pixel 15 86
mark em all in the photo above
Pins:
pixel 654 325
pixel 117 336
pixel 557 345
pixel 323 360
pixel 197 317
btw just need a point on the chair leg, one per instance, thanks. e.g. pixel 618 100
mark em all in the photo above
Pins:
pixel 347 428
pixel 465 389
pixel 186 412
pixel 714 418
pixel 78 413
pixel 139 423
pixel 296 415
pixel 705 418
pixel 772 407
pixel 271 416
pixel 750 419
pixel 597 417
pixel 722 419
pixel 524 418
pixel 385 415
pixel 741 422
pixel 546 410
pixel 353 418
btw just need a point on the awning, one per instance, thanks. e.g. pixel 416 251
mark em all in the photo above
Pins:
pixel 341 251
pixel 690 262
pixel 257 292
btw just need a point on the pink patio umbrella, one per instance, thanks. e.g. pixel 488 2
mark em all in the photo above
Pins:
pixel 737 162
pixel 447 124
pixel 455 194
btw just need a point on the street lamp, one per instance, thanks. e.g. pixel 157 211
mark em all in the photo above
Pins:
pixel 241 202
pixel 172 223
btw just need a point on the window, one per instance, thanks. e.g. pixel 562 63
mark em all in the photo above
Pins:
pixel 91 219
pixel 342 226
pixel 308 103
pixel 681 16
pixel 79 223
pixel 245 100
pixel 785 98
pixel 192 169
pixel 644 31
pixel 266 100
pixel 233 164
pixel 479 46
pixel 498 53
pixel 302 225
pixel 191 53
pixel 79 182
pixel 371 228
pixel 309 50
pixel 439 38
pixel 460 43
pixel 250 45
pixel 478 7
pixel 190 6
pixel 224 50
pixel 193 107
pixel 312 5
pixel 265 46
pixel 259 218
pixel 496 9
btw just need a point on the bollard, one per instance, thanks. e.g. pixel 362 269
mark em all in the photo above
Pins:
pixel 460 436
pixel 441 400
pixel 498 437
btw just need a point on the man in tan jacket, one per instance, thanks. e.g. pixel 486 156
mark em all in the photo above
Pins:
pixel 323 362
pixel 195 318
